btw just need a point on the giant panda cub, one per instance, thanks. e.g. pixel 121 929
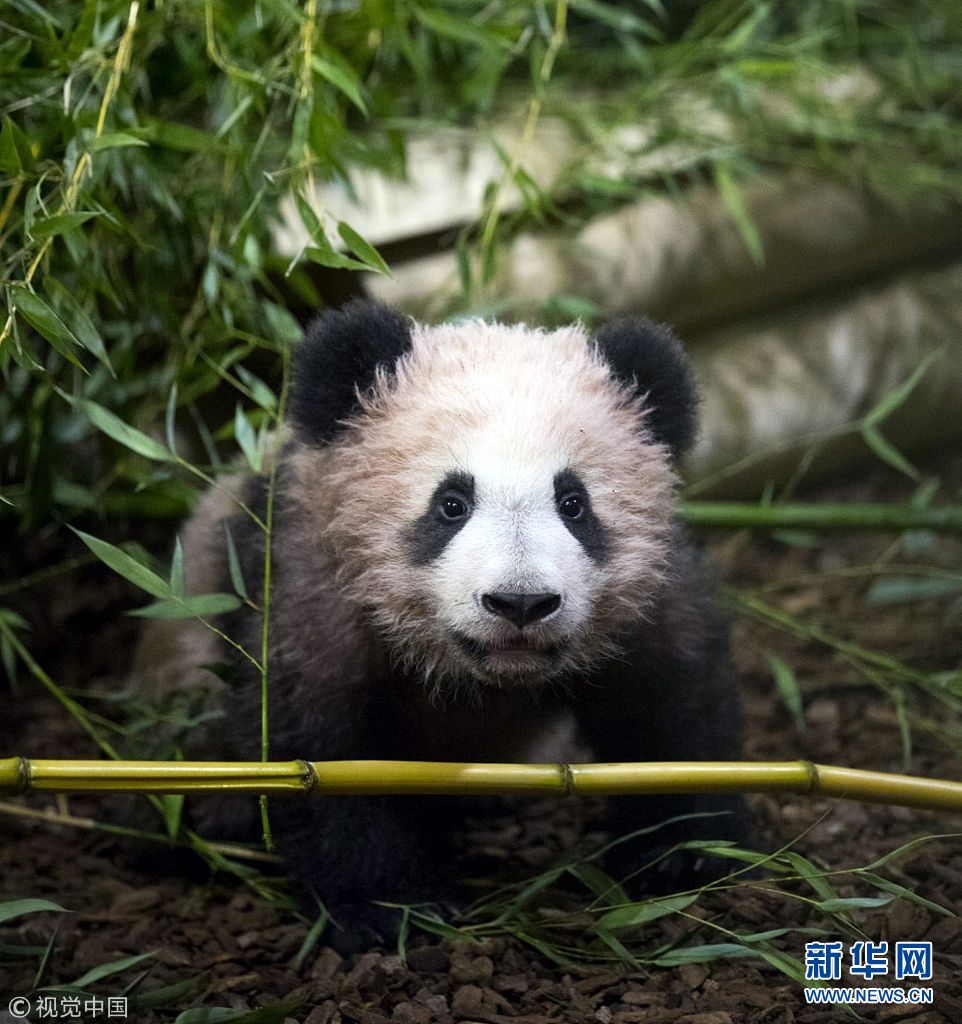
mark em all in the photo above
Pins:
pixel 474 538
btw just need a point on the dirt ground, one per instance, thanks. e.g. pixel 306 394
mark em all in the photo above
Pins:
pixel 231 948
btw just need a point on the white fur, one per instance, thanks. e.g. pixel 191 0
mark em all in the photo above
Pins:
pixel 515 542
pixel 511 407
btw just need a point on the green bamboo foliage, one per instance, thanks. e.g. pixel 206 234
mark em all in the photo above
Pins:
pixel 145 149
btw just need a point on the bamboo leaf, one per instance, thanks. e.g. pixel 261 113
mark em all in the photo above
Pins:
pixel 905 727
pixel 172 806
pixel 925 493
pixel 788 965
pixel 323 253
pixel 103 971
pixel 46 322
pixel 404 931
pixel 247 439
pixel 190 607
pixel 807 870
pixel 20 908
pixel 731 195
pixel 704 954
pixel 114 140
pixel 907 894
pixel 887 453
pixel 528 893
pixel 598 882
pixel 260 392
pixel 15 152
pixel 83 327
pixel 788 688
pixel 126 566
pixel 311 221
pixel 912 588
pixel 311 938
pixel 205 436
pixel 12 619
pixel 464 265
pixel 912 844
pixel 82 34
pixel 461 29
pixel 60 223
pixel 179 136
pixel 44 963
pixel 898 396
pixel 618 948
pixel 8 658
pixel 341 77
pixel 210 1015
pixel 170 419
pixel 648 910
pixel 620 19
pixel 166 995
pixel 235 115
pixel 223 1015
pixel 362 249
pixel 177 570
pixel 113 426
pixel 833 906
pixel 726 850
pixel 233 562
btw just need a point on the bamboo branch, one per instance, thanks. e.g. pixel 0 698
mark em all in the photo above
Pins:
pixel 19 774
pixel 50 816
pixel 817 516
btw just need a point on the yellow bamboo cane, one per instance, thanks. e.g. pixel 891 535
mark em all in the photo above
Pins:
pixel 20 774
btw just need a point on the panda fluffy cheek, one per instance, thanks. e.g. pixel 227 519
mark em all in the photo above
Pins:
pixel 453 589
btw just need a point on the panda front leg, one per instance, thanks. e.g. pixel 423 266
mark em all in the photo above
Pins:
pixel 354 854
pixel 664 704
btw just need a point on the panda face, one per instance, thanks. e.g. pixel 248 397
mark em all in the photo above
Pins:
pixel 497 505
pixel 516 557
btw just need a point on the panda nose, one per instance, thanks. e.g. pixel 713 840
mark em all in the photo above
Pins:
pixel 521 608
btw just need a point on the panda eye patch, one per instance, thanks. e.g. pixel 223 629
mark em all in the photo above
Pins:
pixel 572 506
pixel 445 512
pixel 454 507
pixel 573 503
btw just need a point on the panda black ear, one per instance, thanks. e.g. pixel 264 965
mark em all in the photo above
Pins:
pixel 650 359
pixel 341 351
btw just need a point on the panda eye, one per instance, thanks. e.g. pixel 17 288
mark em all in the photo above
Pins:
pixel 571 506
pixel 453 507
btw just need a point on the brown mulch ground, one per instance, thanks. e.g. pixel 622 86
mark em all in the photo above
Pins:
pixel 242 950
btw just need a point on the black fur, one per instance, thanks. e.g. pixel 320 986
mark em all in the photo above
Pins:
pixel 587 530
pixel 430 533
pixel 649 358
pixel 338 358
pixel 668 698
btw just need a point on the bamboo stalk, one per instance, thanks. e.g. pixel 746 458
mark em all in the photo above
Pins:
pixel 817 516
pixel 18 775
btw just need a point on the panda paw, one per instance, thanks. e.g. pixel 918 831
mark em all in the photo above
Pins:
pixel 356 927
